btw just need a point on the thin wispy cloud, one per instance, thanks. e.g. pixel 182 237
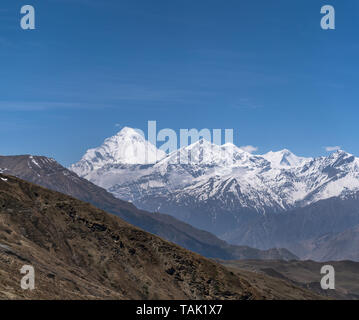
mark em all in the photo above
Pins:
pixel 332 148
pixel 106 92
pixel 249 148
pixel 36 105
pixel 91 3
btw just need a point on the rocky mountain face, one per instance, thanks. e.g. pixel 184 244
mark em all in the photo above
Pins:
pixel 243 198
pixel 81 252
pixel 334 246
pixel 207 173
pixel 50 174
pixel 307 231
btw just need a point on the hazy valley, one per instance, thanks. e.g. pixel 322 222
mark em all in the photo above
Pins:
pixel 262 201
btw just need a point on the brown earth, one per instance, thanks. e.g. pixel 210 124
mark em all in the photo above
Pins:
pixel 50 174
pixel 306 274
pixel 81 252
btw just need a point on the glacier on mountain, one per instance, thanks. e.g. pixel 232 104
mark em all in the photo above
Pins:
pixel 207 181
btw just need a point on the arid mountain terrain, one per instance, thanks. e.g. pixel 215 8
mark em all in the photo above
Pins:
pixel 81 252
pixel 306 274
pixel 50 174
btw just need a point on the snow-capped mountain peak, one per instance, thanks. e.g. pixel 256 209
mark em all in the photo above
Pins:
pixel 203 152
pixel 340 154
pixel 284 159
pixel 128 146
pixel 215 178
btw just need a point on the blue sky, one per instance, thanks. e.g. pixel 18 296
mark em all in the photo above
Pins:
pixel 264 68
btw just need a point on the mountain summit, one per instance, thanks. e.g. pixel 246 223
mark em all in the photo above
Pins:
pixel 223 188
pixel 285 159
pixel 126 147
pixel 226 174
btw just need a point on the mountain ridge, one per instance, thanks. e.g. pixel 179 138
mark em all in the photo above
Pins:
pixel 276 181
pixel 50 174
pixel 79 251
pixel 243 198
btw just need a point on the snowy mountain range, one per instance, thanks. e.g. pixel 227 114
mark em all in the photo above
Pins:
pixel 219 188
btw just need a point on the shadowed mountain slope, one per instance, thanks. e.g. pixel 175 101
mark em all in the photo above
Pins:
pixel 325 230
pixel 50 174
pixel 79 251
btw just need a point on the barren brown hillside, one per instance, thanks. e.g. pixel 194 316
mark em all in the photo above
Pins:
pixel 81 252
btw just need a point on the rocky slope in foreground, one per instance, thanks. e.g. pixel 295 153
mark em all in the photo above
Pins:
pixel 79 251
pixel 306 274
pixel 50 174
